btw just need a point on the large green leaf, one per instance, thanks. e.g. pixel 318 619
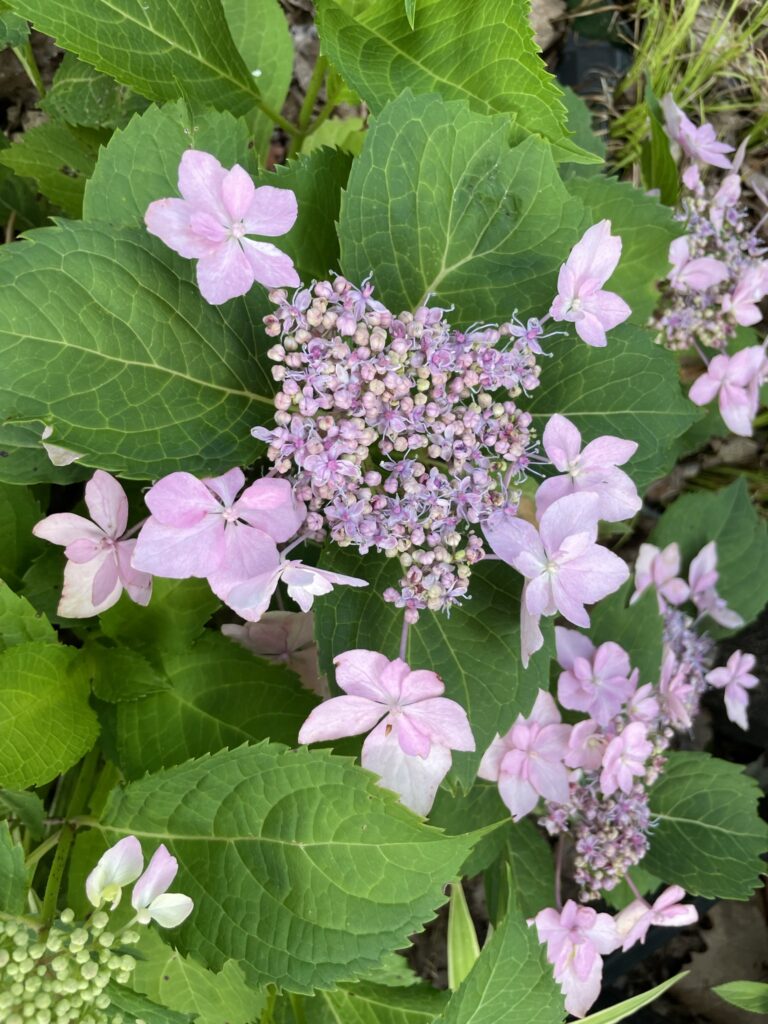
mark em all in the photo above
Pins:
pixel 709 806
pixel 478 808
pixel 48 724
pixel 125 1001
pixel 19 511
pixel 437 203
pixel 20 623
pixel 510 981
pixel 220 696
pixel 82 95
pixel 629 389
pixel 23 460
pixel 13 876
pixel 25 808
pixel 155 48
pixel 104 335
pixel 729 518
pixel 475 651
pixel 372 1004
pixel 486 56
pixel 18 199
pixel 747 995
pixel 14 31
pixel 301 867
pixel 638 628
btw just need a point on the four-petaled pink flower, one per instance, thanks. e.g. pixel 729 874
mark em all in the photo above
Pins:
pixel 577 939
pixel 586 746
pixel 98 561
pixel 580 298
pixel 285 638
pixel 742 302
pixel 598 680
pixel 209 224
pixel 414 726
pixel 702 577
pixel 151 899
pixel 677 694
pixel 593 469
pixel 693 274
pixel 625 756
pixel 736 679
pixel 527 762
pixel 735 380
pixel 250 599
pixel 697 143
pixel 660 569
pixel 633 922
pixel 564 566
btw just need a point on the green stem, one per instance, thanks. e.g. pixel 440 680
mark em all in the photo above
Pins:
pixel 315 84
pixel 278 119
pixel 297 1007
pixel 41 850
pixel 77 804
pixel 26 58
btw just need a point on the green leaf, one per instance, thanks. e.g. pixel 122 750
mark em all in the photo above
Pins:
pixel 463 947
pixel 123 1000
pixel 14 30
pixel 580 124
pixel 13 875
pixel 20 623
pixel 23 460
pixel 658 166
pixel 729 518
pixel 460 813
pixel 104 335
pixel 83 96
pixel 373 1004
pixel 25 808
pixel 638 628
pixel 709 806
pixel 119 673
pixel 476 652
pixel 628 1007
pixel 629 389
pixel 182 984
pixel 141 161
pixel 747 995
pixel 439 204
pixel 220 696
pixel 301 867
pixel 153 47
pixel 19 511
pixel 531 868
pixel 59 159
pixel 347 133
pixel 18 200
pixel 48 724
pixel 489 60
pixel 511 980
pixel 410 12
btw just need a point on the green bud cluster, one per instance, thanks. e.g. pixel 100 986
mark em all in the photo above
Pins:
pixel 60 976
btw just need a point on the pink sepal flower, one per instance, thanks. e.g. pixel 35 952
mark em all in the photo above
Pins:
pixel 577 939
pixel 580 298
pixel 742 302
pixel 151 899
pixel 735 381
pixel 564 566
pixel 736 679
pixel 702 577
pixel 660 569
pixel 693 275
pixel 285 638
pixel 598 681
pixel 586 746
pixel 643 705
pixel 98 561
pixel 414 728
pixel 697 143
pixel 120 865
pixel 527 762
pixel 624 758
pixel 726 197
pixel 209 224
pixel 593 469
pixel 251 598
pixel 633 922
pixel 677 694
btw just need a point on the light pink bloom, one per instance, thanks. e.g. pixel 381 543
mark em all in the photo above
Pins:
pixel 98 561
pixel 564 566
pixel 285 638
pixel 633 922
pixel 593 469
pixel 742 302
pixel 697 143
pixel 119 866
pixel 660 569
pixel 586 746
pixel 643 705
pixel 527 762
pixel 579 296
pixel 735 380
pixel 693 275
pixel 414 726
pixel 577 939
pixel 702 577
pixel 202 528
pixel 151 899
pixel 736 679
pixel 726 196
pixel 692 179
pixel 250 599
pixel 625 757
pixel 598 682
pixel 209 224
pixel 676 693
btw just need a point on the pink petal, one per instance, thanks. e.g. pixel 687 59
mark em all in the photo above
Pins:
pixel 419 685
pixel 702 273
pixel 607 451
pixel 237 192
pixel 594 575
pixel 270 505
pixel 412 738
pixel 77 590
pixel 607 307
pixel 569 602
pixel 247 553
pixel 490 765
pixel 571 515
pixel 251 599
pixel 737 410
pixel 273 211
pixel 679 253
pixel 66 528
pixel 169 909
pixel 180 553
pixel 227 486
pixel 359 672
pixel 531 637
pixel 591 331
pixel 444 721
pixel 550 779
pixel 538 596
pixel 562 442
pixel 180 500
pixel 138 584
pixel 509 535
pixel 200 180
pixel 518 795
pixel 83 550
pixel 340 716
pixel 269 265
pixel 704 389
pixel 169 220
pixel 544 710
pixel 597 254
pixel 160 873
pixel 225 274
pixel 107 503
pixel 551 490
pixel 415 779
pixel 105 580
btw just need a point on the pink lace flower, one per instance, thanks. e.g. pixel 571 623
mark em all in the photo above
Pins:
pixel 693 275
pixel 250 599
pixel 586 746
pixel 151 899
pixel 736 679
pixel 209 224
pixel 735 381
pixel 697 143
pixel 678 696
pixel 625 757
pixel 633 922
pixel 580 298
pixel 564 566
pixel 702 577
pixel 577 939
pixel 598 680
pixel 742 302
pixel 527 762
pixel 659 569
pixel 414 728
pixel 643 705
pixel 593 469
pixel 285 638
pixel 98 559
pixel 120 865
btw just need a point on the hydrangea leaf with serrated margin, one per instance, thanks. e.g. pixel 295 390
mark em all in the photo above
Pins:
pixel 438 204
pixel 301 867
pixel 19 511
pixel 20 623
pixel 13 875
pixel 83 96
pixel 23 460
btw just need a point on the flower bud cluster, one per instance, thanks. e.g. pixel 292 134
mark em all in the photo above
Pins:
pixel 402 433
pixel 62 976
